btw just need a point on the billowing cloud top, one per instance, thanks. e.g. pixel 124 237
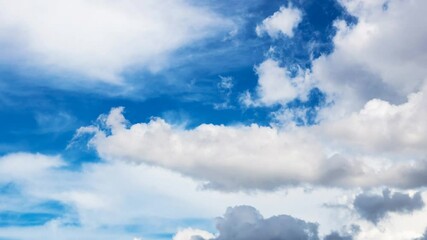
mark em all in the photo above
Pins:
pixel 376 207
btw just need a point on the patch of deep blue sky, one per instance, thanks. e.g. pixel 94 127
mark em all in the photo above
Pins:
pixel 37 117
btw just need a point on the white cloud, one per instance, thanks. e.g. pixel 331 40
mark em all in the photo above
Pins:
pixel 26 167
pixel 99 39
pixel 341 153
pixel 276 86
pixel 383 56
pixel 383 128
pixel 191 234
pixel 283 22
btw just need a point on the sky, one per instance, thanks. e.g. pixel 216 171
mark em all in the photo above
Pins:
pixel 213 120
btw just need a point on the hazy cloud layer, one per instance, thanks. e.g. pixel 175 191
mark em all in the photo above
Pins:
pixel 99 40
pixel 375 207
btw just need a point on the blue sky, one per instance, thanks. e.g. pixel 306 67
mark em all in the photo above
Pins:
pixel 151 120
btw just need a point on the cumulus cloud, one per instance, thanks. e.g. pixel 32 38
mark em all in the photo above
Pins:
pixel 226 157
pixel 282 22
pixel 381 127
pixel 246 223
pixel 253 157
pixel 276 86
pixel 369 60
pixel 375 207
pixel 99 40
pixel 192 234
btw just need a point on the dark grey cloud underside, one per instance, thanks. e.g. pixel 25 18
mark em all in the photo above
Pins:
pixel 337 236
pixel 375 207
pixel 246 223
pixel 423 237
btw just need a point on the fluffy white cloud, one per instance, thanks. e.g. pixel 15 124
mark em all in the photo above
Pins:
pixel 256 157
pixel 281 22
pixel 384 128
pixel 192 234
pixel 383 56
pixel 275 85
pixel 99 39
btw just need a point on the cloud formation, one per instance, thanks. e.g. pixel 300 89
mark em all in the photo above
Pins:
pixel 375 207
pixel 369 60
pixel 276 86
pixel 192 234
pixel 337 236
pixel 252 157
pixel 99 40
pixel 282 22
pixel 246 223
pixel 423 237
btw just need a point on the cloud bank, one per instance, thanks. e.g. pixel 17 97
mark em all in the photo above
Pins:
pixel 257 157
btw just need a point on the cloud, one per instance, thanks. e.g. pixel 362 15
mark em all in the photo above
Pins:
pixel 423 237
pixel 276 86
pixel 192 234
pixel 384 128
pixel 25 167
pixel 245 222
pixel 337 236
pixel 151 200
pixel 369 60
pixel 100 40
pixel 282 22
pixel 375 207
pixel 256 157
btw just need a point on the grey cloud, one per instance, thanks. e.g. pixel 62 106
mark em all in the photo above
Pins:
pixel 246 223
pixel 347 233
pixel 197 237
pixel 337 236
pixel 375 207
pixel 423 237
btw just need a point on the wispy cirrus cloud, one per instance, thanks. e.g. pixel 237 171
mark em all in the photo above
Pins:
pixel 100 40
